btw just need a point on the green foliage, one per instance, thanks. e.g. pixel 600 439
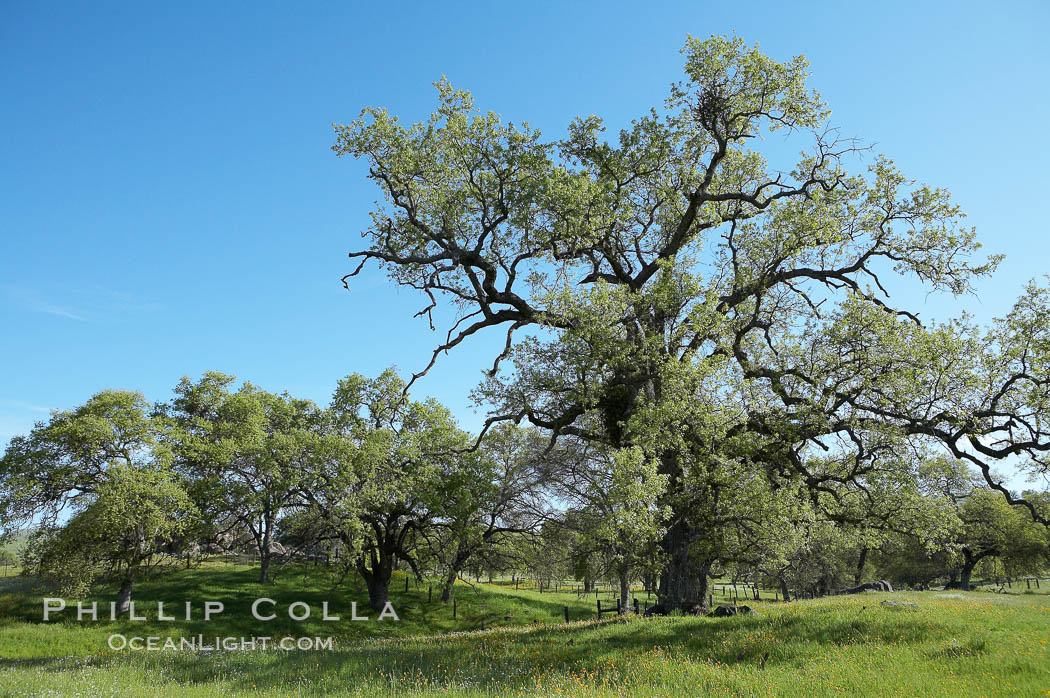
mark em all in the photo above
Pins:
pixel 668 289
pixel 992 528
pixel 8 558
pixel 68 457
pixel 614 510
pixel 105 465
pixel 245 454
pixel 485 499
pixel 123 533
pixel 376 491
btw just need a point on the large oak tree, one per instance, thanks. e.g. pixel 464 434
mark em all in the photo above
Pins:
pixel 682 288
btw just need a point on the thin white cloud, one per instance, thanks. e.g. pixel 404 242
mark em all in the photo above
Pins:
pixel 22 405
pixel 57 310
pixel 119 301
pixel 86 304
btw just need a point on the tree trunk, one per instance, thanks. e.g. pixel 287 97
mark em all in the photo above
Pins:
pixel 378 591
pixel 262 544
pixel 859 575
pixel 586 585
pixel 446 590
pixel 377 575
pixel 625 592
pixel 377 579
pixel 454 569
pixel 964 579
pixel 970 561
pixel 684 579
pixel 784 590
pixel 264 568
pixel 124 596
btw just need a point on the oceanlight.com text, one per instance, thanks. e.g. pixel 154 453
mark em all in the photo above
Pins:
pixel 202 643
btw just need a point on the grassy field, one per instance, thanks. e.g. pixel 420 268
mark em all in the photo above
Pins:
pixel 14 547
pixel 953 643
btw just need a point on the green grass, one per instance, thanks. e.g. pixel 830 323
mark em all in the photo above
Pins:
pixel 14 546
pixel 23 635
pixel 965 644
pixel 15 542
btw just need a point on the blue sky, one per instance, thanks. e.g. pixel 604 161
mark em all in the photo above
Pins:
pixel 169 203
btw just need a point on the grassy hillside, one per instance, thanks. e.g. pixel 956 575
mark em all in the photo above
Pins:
pixel 15 542
pixel 952 643
pixel 24 635
pixel 12 545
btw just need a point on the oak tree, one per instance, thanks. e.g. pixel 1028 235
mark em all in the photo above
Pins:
pixel 683 288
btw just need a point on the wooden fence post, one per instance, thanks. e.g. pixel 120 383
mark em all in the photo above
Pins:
pixel 430 593
pixel 453 608
pixel 566 614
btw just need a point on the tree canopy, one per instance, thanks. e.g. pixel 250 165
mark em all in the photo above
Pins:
pixel 681 288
